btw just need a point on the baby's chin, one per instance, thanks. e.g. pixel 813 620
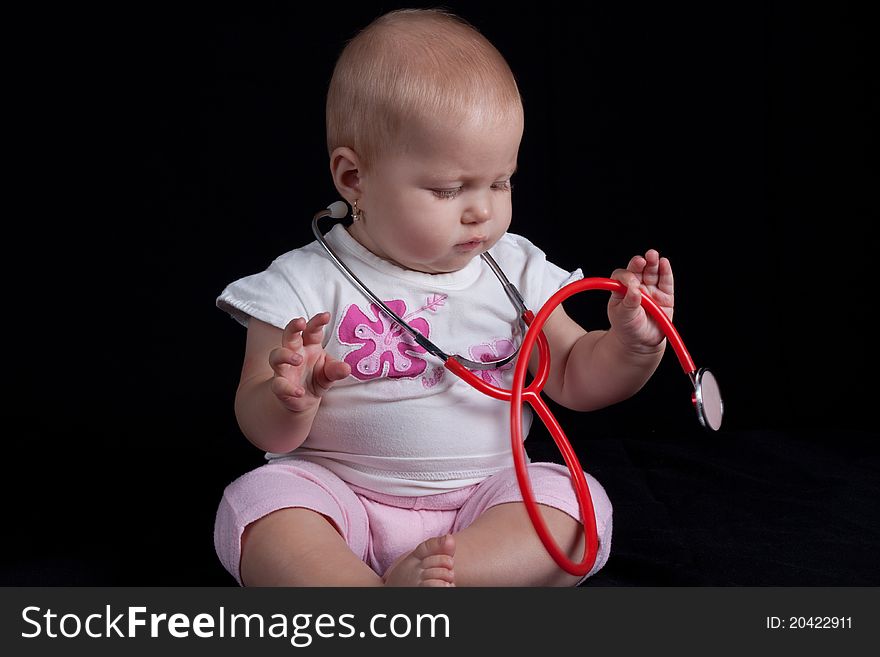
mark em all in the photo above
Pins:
pixel 441 260
pixel 455 264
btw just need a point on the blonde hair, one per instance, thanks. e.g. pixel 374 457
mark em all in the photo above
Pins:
pixel 415 65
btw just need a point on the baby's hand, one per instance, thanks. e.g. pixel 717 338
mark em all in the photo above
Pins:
pixel 632 325
pixel 303 370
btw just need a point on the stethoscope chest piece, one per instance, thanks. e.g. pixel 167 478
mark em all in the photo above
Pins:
pixel 707 399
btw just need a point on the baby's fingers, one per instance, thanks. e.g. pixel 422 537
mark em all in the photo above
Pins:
pixel 291 338
pixel 666 281
pixel 313 332
pixel 288 393
pixel 282 360
pixel 632 297
pixel 650 272
pixel 637 264
pixel 332 371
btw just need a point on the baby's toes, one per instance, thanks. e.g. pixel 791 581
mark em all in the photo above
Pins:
pixel 444 575
pixel 438 561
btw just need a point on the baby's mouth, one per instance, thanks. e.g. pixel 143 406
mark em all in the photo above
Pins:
pixel 470 245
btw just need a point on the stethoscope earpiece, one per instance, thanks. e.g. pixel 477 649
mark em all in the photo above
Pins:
pixel 338 209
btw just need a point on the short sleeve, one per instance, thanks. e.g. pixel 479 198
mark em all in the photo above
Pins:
pixel 271 296
pixel 528 268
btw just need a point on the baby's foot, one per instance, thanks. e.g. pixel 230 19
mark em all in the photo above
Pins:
pixel 430 564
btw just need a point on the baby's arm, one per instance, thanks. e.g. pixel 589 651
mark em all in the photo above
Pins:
pixel 284 376
pixel 594 369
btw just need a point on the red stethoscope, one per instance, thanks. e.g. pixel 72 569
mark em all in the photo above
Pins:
pixel 706 397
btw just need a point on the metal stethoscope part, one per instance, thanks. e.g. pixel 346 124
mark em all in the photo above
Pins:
pixel 706 397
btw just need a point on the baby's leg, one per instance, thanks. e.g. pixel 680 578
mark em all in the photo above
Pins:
pixel 497 544
pixel 293 523
pixel 501 548
pixel 299 547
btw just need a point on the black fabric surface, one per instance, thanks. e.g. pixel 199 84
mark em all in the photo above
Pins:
pixel 756 508
pixel 746 508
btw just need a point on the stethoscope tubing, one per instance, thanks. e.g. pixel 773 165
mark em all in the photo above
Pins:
pixel 531 394
pixel 519 392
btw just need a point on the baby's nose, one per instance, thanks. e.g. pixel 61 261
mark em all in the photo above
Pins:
pixel 477 211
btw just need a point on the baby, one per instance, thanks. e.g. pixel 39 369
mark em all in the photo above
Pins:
pixel 384 468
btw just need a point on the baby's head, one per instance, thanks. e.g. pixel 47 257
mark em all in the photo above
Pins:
pixel 415 67
pixel 424 120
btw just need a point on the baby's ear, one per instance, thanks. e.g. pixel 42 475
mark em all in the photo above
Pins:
pixel 345 169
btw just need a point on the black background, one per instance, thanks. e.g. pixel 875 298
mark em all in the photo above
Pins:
pixel 156 155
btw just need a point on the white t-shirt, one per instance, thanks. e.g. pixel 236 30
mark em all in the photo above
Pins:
pixel 402 424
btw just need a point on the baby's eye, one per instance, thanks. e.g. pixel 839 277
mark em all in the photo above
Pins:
pixel 503 186
pixel 447 193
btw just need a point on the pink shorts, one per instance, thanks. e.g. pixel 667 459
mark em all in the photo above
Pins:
pixel 378 527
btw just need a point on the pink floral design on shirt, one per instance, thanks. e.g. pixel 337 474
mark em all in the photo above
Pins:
pixel 483 353
pixel 382 347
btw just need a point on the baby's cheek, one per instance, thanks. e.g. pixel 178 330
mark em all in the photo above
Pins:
pixel 424 242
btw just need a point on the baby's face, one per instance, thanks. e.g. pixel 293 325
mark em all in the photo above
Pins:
pixel 443 199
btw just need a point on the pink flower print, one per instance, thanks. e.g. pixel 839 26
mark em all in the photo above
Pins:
pixel 433 378
pixel 382 347
pixel 484 353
